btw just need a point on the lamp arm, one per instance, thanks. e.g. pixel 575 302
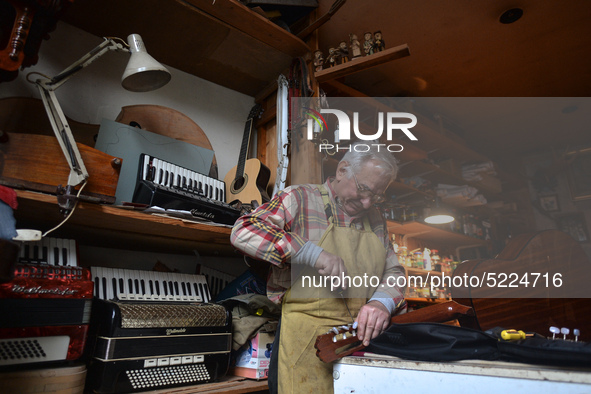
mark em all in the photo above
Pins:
pixel 59 123
pixel 108 44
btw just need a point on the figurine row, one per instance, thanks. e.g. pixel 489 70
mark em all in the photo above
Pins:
pixel 373 43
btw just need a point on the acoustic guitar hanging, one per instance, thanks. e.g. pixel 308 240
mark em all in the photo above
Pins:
pixel 248 180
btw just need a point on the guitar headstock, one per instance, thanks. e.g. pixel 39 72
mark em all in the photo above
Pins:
pixel 256 112
pixel 337 343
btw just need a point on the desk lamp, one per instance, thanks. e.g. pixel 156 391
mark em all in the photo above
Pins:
pixel 142 74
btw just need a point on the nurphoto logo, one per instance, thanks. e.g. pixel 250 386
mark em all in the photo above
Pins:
pixel 387 122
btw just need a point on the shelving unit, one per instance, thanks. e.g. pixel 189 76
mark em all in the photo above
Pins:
pixel 438 235
pixel 100 225
pixel 362 63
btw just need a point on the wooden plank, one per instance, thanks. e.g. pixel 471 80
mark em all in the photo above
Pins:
pixel 241 18
pixel 432 234
pixel 363 63
pixel 36 162
pixel 100 225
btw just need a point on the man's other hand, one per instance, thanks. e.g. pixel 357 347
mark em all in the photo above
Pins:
pixel 372 320
pixel 330 265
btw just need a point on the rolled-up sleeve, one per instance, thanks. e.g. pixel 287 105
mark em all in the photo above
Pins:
pixel 265 233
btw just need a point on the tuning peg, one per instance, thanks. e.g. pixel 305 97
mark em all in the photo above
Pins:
pixel 554 331
pixel 564 331
pixel 576 332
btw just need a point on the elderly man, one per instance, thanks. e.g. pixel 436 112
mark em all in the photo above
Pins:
pixel 334 230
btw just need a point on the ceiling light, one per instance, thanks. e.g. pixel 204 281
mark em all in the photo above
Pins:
pixel 438 215
pixel 439 218
pixel 510 16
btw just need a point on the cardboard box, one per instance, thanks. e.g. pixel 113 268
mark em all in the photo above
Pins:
pixel 252 361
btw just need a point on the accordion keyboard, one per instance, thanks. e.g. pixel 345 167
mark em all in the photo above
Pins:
pixel 137 285
pixel 52 251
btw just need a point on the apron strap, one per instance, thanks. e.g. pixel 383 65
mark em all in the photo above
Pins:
pixel 329 211
pixel 327 203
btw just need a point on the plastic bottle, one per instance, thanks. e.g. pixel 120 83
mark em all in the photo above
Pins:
pixel 427 259
pixel 418 259
pixel 435 260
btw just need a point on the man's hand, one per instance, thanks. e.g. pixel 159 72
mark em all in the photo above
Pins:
pixel 373 318
pixel 330 265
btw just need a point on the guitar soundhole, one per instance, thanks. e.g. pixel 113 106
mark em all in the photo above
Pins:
pixel 239 183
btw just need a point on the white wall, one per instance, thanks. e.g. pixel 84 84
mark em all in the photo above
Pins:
pixel 96 93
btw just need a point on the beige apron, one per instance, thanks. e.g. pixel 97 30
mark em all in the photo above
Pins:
pixel 303 319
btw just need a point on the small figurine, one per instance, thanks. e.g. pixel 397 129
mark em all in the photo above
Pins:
pixel 355 46
pixel 368 43
pixel 343 52
pixel 332 57
pixel 318 60
pixel 379 44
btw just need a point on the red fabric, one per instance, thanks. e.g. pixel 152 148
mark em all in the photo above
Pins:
pixel 8 196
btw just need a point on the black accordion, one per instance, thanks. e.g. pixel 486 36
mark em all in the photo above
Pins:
pixel 146 345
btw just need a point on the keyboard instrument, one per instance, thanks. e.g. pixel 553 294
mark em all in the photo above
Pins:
pixel 152 330
pixel 45 307
pixel 135 285
pixel 52 251
pixel 166 185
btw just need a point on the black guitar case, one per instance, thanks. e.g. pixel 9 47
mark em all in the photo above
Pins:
pixel 442 342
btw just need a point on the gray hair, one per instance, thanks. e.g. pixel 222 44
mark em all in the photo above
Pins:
pixel 358 157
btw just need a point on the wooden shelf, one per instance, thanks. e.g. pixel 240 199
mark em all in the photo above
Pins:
pixel 222 41
pixel 422 272
pixel 362 63
pixel 433 234
pixel 404 191
pixel 437 175
pixel 109 226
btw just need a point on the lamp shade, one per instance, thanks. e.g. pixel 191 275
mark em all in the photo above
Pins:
pixel 439 218
pixel 438 215
pixel 143 73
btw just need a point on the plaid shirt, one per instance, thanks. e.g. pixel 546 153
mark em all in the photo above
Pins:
pixel 277 230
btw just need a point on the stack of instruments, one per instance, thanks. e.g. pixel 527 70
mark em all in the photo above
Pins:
pixel 166 185
pixel 46 306
pixel 154 330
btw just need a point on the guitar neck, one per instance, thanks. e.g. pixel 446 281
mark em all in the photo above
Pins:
pixel 244 149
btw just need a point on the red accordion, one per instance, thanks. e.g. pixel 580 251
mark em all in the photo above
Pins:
pixel 46 311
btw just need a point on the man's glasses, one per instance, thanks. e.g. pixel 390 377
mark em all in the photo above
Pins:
pixel 364 192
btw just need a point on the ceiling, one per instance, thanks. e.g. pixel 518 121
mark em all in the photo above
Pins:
pixel 459 48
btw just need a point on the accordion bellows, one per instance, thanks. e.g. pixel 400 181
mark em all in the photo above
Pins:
pixel 148 315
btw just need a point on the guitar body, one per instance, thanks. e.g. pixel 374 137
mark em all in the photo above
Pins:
pixel 251 186
pixel 560 298
pixel 248 181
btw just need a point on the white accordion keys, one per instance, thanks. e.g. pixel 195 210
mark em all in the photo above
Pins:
pixel 136 285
